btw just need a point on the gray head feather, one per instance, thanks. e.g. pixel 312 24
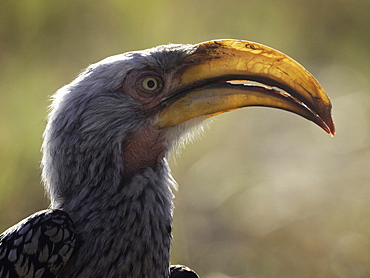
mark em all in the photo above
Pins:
pixel 89 120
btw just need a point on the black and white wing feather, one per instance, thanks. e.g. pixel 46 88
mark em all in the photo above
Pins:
pixel 38 246
pixel 181 271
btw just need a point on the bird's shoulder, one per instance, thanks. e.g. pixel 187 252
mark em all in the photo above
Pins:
pixel 181 271
pixel 38 246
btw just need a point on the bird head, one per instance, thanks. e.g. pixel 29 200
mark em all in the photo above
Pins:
pixel 124 114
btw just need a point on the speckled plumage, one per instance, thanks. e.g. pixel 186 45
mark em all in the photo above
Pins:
pixel 38 246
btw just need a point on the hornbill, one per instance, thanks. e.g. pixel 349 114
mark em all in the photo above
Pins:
pixel 106 145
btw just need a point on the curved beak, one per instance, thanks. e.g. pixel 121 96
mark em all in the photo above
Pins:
pixel 225 75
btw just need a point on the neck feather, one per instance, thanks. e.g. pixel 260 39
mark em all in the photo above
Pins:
pixel 131 227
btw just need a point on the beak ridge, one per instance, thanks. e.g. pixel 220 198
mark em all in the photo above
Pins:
pixel 213 66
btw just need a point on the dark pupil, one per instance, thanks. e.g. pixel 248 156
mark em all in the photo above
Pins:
pixel 150 84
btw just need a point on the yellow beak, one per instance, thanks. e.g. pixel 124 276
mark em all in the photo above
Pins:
pixel 225 75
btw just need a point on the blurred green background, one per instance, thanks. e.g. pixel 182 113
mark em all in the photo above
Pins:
pixel 264 193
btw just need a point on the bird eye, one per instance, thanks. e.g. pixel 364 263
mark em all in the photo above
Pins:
pixel 150 83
